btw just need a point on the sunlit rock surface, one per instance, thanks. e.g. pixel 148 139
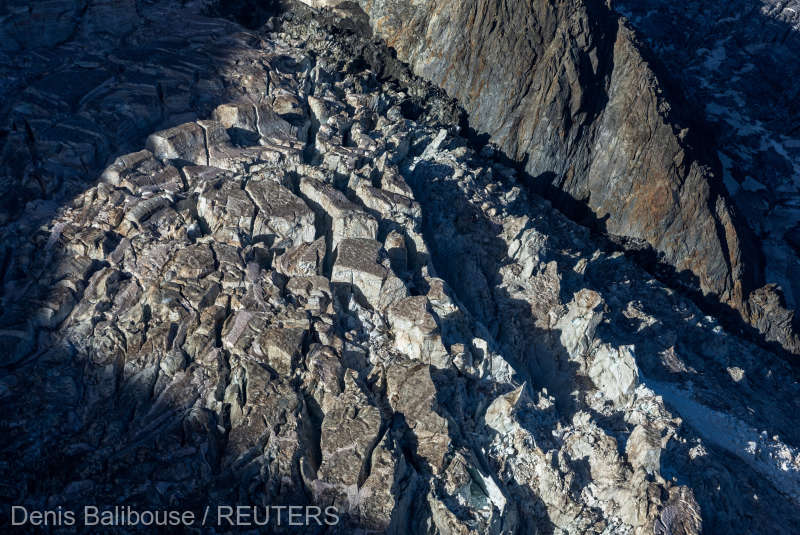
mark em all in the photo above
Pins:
pixel 297 284
pixel 568 91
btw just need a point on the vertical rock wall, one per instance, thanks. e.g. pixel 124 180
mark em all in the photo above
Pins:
pixel 563 88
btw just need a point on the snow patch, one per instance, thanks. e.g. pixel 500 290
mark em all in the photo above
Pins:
pixel 775 460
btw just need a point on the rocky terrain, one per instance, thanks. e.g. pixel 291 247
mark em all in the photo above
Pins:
pixel 567 91
pixel 269 267
pixel 740 80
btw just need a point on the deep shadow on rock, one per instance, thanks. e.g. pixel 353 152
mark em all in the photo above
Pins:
pixel 325 297
pixel 587 111
pixel 468 252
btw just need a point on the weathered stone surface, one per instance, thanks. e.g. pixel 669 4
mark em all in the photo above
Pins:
pixel 412 395
pixel 417 331
pixel 721 64
pixel 383 508
pixel 186 142
pixel 346 219
pixel 304 259
pixel 282 348
pixel 281 213
pixel 257 119
pixel 194 262
pixel 582 107
pixel 349 307
pixel 643 449
pixel 561 317
pixel 350 431
pixel 357 266
pixel 224 207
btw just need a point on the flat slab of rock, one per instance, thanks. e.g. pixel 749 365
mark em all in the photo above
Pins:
pixel 259 120
pixel 186 142
pixel 281 213
pixel 347 219
pixel 357 265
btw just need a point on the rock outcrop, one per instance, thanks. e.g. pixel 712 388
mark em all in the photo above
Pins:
pixel 735 62
pixel 566 90
pixel 312 291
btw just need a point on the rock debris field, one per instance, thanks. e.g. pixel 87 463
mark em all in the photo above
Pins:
pixel 298 283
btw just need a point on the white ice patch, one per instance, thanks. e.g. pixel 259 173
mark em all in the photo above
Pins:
pixel 775 460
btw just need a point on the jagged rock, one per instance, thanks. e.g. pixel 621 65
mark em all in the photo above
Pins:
pixel 643 449
pixel 395 246
pixel 614 372
pixel 314 292
pixel 769 314
pixel 357 266
pixel 754 131
pixel 141 170
pixel 417 333
pixel 304 259
pixel 589 117
pixel 347 220
pixel 325 376
pixel 393 182
pixel 194 262
pixel 580 322
pixel 282 348
pixel 412 395
pixel 348 307
pixel 280 212
pixel 386 203
pixel 350 431
pixel 323 3
pixel 500 414
pixel 465 211
pixel 252 445
pixel 388 490
pixel 224 207
pixel 680 516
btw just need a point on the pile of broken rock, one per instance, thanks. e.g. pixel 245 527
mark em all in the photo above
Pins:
pixel 310 297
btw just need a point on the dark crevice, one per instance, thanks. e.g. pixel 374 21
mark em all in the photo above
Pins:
pixel 252 14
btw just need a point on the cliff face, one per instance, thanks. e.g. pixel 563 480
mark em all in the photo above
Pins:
pixel 736 63
pixel 563 87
